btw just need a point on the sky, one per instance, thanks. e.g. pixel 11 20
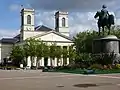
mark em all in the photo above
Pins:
pixel 81 13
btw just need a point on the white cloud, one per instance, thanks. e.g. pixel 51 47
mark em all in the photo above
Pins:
pixel 14 7
pixel 8 33
pixel 77 21
pixel 81 5
pixel 45 18
pixel 81 12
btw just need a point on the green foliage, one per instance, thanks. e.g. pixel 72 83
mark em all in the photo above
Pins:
pixel 83 41
pixel 17 55
pixel 58 52
pixel 83 46
pixel 118 66
pixel 52 51
pixel 72 54
pixel 84 57
pixel 65 53
pixel 31 46
pixel 104 58
pixel 46 50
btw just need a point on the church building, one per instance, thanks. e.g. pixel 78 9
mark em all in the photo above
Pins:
pixel 59 35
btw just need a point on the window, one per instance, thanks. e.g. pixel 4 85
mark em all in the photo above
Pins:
pixel 63 22
pixel 28 19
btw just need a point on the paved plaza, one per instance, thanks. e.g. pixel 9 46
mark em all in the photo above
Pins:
pixel 37 80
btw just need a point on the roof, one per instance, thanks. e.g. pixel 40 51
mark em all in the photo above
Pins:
pixel 42 28
pixel 8 40
pixel 61 13
pixel 18 36
pixel 58 33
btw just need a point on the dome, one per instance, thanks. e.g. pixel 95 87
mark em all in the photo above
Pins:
pixel 110 37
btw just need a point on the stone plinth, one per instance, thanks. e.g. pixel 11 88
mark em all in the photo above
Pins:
pixel 107 44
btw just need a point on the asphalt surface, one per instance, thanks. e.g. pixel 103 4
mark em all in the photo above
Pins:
pixel 37 80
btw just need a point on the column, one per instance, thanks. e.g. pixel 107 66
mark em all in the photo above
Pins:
pixel 68 61
pixel 29 61
pixel 59 63
pixel 35 61
pixel 62 61
pixel 55 62
pixel 42 61
pixel 49 62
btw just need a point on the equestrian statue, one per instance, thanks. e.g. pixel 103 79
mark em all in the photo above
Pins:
pixel 104 20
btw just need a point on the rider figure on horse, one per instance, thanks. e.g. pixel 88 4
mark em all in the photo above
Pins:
pixel 104 13
pixel 105 19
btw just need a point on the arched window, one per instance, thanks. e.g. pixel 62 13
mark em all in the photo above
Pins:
pixel 63 22
pixel 28 19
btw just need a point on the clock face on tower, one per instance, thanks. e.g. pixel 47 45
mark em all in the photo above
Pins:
pixel 28 28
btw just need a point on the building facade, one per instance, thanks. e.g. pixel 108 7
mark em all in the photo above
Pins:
pixel 59 35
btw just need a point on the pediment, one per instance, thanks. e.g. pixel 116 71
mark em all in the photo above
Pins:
pixel 53 36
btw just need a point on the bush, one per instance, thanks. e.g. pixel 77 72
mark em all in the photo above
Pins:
pixel 33 67
pixel 74 66
pixel 118 66
pixel 40 67
pixel 96 66
pixel 104 58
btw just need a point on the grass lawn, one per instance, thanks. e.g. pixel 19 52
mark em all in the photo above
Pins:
pixel 81 71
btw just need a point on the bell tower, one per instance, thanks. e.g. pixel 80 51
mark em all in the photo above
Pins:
pixel 61 23
pixel 27 21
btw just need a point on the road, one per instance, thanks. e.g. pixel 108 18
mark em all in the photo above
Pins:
pixel 37 80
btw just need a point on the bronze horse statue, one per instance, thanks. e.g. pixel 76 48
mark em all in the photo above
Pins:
pixel 102 22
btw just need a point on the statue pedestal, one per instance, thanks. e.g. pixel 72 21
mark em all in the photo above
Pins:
pixel 108 44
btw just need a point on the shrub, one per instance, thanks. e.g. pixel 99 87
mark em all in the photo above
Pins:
pixel 118 66
pixel 96 66
pixel 104 58
pixel 40 67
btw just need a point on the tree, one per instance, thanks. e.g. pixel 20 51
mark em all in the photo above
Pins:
pixel 31 46
pixel 46 52
pixel 72 54
pixel 83 41
pixel 39 51
pixel 58 53
pixel 17 55
pixel 26 53
pixel 64 55
pixel 52 52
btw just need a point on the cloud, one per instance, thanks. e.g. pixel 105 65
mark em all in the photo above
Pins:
pixel 14 7
pixel 45 18
pixel 81 12
pixel 8 33
pixel 77 21
pixel 80 5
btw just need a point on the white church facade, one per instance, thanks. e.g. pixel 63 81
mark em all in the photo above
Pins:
pixel 59 35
